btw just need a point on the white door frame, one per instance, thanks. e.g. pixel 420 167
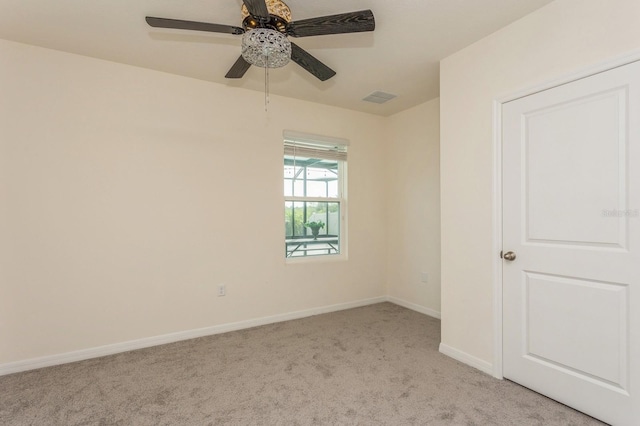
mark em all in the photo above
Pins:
pixel 497 182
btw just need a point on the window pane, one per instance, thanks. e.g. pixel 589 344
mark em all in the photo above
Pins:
pixel 312 228
pixel 310 177
pixel 316 189
pixel 333 189
pixel 294 219
pixel 288 188
pixel 292 188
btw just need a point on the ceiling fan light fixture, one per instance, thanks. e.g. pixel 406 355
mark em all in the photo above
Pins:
pixel 262 46
pixel 266 48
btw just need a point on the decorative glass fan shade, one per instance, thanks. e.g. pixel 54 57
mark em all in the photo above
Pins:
pixel 266 48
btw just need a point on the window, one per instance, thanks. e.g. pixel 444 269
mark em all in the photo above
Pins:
pixel 314 194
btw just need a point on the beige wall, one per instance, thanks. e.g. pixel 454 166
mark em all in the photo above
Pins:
pixel 413 223
pixel 128 195
pixel 557 40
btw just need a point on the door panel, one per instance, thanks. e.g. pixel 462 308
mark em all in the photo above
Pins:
pixel 571 213
pixel 588 135
pixel 562 329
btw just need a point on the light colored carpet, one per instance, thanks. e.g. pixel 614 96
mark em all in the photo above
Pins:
pixel 377 365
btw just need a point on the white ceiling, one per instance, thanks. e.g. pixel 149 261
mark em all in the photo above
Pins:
pixel 400 57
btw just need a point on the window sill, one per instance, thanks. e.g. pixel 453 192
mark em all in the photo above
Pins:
pixel 316 259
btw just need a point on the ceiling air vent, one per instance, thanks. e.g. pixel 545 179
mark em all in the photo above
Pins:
pixel 379 97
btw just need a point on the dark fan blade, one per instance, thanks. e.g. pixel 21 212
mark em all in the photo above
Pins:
pixel 353 22
pixel 311 64
pixel 257 8
pixel 191 25
pixel 238 69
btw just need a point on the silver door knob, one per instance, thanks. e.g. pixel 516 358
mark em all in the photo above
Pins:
pixel 510 256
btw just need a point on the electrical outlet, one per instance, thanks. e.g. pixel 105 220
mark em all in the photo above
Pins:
pixel 424 277
pixel 222 290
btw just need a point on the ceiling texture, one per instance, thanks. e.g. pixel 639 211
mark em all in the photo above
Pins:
pixel 401 57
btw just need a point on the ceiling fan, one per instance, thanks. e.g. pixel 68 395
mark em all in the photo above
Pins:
pixel 266 26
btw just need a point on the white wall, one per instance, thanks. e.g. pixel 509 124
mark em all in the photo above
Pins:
pixel 556 40
pixel 127 195
pixel 413 223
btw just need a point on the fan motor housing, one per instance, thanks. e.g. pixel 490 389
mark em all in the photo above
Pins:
pixel 279 17
pixel 274 23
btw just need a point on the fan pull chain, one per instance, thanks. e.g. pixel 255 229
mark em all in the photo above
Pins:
pixel 266 85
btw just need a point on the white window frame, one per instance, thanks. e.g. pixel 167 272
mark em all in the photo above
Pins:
pixel 329 148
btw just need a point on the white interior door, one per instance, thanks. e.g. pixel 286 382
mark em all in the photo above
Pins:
pixel 571 217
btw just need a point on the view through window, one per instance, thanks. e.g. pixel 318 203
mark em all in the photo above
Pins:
pixel 314 199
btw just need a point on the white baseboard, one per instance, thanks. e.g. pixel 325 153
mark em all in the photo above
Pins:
pixel 84 354
pixel 414 307
pixel 465 358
